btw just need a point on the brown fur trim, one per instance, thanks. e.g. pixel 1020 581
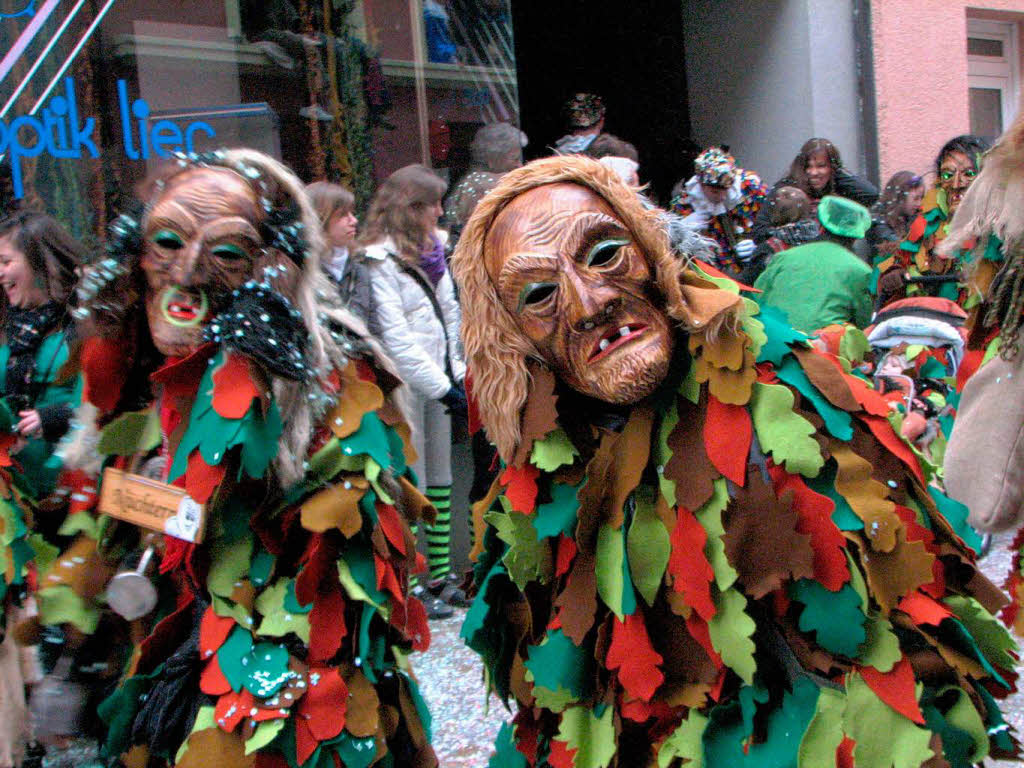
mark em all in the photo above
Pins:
pixel 496 351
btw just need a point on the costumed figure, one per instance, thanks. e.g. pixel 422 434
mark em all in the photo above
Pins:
pixel 706 545
pixel 916 268
pixel 228 391
pixel 721 201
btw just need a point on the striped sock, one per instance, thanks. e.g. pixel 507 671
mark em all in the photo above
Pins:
pixel 439 535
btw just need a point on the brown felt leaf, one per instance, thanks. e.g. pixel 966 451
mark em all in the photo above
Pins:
pixel 866 496
pixel 577 603
pixel 410 715
pixel 761 540
pixel 725 350
pixel 539 412
pixel 685 660
pixel 362 718
pixel 886 467
pixel 689 466
pixel 215 747
pixel 522 690
pixel 244 594
pixel 336 507
pixel 478 510
pixel 729 386
pixel 391 415
pixel 357 397
pixel 826 378
pixel 136 757
pixel 82 568
pixel 415 506
pixel 901 570
pixel 593 496
pixel 692 695
pixel 633 451
pixel 991 597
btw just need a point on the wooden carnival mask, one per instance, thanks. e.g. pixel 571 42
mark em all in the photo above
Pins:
pixel 566 267
pixel 201 241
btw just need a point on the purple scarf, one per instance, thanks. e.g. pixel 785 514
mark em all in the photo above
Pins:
pixel 432 260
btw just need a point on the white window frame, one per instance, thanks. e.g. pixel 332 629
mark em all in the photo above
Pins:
pixel 1003 73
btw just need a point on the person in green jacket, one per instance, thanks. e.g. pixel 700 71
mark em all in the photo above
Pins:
pixel 823 282
pixel 38 271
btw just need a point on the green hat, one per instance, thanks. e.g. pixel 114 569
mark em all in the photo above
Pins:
pixel 843 217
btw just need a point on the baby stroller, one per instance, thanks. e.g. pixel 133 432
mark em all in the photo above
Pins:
pixel 918 344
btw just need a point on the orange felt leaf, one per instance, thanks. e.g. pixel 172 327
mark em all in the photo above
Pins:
pixel 917 227
pixel 689 567
pixel 844 753
pixel 633 655
pixel 7 441
pixel 232 708
pixel 213 631
pixel 327 623
pixel 869 399
pixel 201 480
pixel 358 396
pixel 923 609
pixel 700 632
pixel 215 747
pixel 234 387
pixel 727 434
pixel 560 755
pixel 894 574
pixel 325 703
pixel 539 412
pixel 521 487
pixel 895 688
pixel 867 497
pixel 387 580
pixel 212 681
pixel 336 507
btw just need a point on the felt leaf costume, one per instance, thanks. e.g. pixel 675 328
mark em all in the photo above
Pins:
pixel 282 639
pixel 741 578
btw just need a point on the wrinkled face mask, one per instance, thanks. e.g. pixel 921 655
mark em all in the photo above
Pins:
pixel 201 242
pixel 566 267
pixel 956 172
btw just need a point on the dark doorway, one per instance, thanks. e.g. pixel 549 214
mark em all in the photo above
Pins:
pixel 631 54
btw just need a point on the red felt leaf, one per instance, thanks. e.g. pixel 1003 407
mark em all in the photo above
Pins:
pixel 7 442
pixel 232 708
pixel 81 489
pixel 318 565
pixel 104 370
pixel 814 513
pixel 566 554
pixel 365 372
pixel 266 759
pixel 895 688
pixel 872 402
pixel 883 431
pixel 970 365
pixel 411 619
pixel 326 623
pixel 641 711
pixel 917 532
pixel 700 632
pixel 234 387
pixel 560 756
pixel 522 487
pixel 917 227
pixel 387 580
pixel 213 631
pixel 633 655
pixel 305 741
pixel 201 480
pixel 923 609
pixel 526 735
pixel 691 572
pixel 325 704
pixel 844 753
pixel 391 524
pixel 727 434
pixel 212 681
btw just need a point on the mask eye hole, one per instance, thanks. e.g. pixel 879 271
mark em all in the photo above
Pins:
pixel 228 252
pixel 168 240
pixel 605 252
pixel 536 293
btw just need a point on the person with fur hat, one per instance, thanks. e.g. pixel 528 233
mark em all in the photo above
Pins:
pixel 246 435
pixel 721 201
pixel 823 282
pixel 705 543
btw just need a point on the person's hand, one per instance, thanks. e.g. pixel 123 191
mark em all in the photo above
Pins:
pixel 745 249
pixel 30 425
pixel 455 401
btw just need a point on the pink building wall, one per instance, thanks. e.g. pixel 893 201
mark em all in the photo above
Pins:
pixel 921 86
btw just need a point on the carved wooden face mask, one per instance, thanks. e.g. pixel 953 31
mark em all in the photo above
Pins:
pixel 201 242
pixel 566 267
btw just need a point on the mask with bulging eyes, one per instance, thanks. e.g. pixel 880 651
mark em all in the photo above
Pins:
pixel 567 269
pixel 201 242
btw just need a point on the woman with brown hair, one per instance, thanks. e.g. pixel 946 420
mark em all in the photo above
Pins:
pixel 416 317
pixel 896 208
pixel 335 207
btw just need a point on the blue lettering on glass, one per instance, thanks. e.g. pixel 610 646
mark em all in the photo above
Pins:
pixel 62 134
pixel 28 11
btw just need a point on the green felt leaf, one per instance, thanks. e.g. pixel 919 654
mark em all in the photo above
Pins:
pixel 964 735
pixel 476 616
pixel 995 725
pixel 14 523
pixel 370 439
pixel 7 420
pixel 60 605
pixel 265 669
pixel 991 634
pixel 205 719
pixel 956 514
pixel 357 575
pixel 265 733
pixel 784 434
pixel 710 518
pixel 824 733
pixel 46 554
pixel 229 563
pixel 854 345
pixel 230 655
pixel 838 422
pixel 883 737
pixel 554 451
pixel 80 522
pixel 836 618
pixel 779 335
pixel 422 711
pixel 258 437
pixel 118 711
pixel 278 620
pixel 262 567
pixel 528 558
pixel 355 753
pixel 592 735
pixel 731 630
pixel 130 433
pixel 228 609
pixel 685 742
pixel 291 600
pixel 669 420
pixel 505 753
pixel 753 327
pixel 881 649
pixel 560 671
pixel 613 582
pixel 689 388
pixel 648 546
pixel 558 515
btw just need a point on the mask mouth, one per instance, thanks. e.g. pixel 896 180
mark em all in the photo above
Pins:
pixel 182 308
pixel 614 338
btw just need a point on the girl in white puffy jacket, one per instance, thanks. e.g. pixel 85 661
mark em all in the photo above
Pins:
pixel 414 313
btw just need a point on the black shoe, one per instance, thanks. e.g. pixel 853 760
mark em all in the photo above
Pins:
pixel 448 589
pixel 436 608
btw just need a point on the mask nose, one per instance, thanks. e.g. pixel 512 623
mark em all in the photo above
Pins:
pixel 185 268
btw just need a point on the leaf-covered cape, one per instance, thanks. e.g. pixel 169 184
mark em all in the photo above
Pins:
pixel 282 639
pixel 751 568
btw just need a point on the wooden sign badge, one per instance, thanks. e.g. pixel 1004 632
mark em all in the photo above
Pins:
pixel 152 504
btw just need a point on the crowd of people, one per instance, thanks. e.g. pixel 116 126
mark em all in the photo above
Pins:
pixel 298 370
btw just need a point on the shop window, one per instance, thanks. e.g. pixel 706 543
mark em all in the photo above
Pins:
pixel 992 75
